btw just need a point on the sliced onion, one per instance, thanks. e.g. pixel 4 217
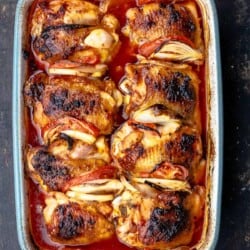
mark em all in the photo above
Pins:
pixel 90 197
pixel 174 185
pixel 79 136
pixel 94 70
pixel 124 86
pixel 99 186
pixel 127 185
pixel 178 51
pixel 152 116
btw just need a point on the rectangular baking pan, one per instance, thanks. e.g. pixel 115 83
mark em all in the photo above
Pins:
pixel 214 125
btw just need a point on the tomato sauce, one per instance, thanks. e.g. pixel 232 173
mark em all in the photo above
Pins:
pixel 36 198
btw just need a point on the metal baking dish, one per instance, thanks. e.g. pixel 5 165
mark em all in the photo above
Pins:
pixel 214 125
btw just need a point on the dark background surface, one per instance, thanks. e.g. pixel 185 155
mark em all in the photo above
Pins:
pixel 234 24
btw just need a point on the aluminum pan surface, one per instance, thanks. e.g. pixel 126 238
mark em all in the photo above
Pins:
pixel 215 125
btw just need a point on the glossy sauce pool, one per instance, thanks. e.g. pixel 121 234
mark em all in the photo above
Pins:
pixel 116 71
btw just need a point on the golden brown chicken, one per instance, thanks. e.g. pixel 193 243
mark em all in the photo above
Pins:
pixel 73 37
pixel 157 218
pixel 56 171
pixel 174 87
pixel 166 31
pixel 86 99
pixel 73 222
pixel 169 150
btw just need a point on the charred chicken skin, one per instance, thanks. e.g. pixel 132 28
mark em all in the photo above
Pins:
pixel 73 37
pixel 86 99
pixel 166 31
pixel 148 218
pixel 73 222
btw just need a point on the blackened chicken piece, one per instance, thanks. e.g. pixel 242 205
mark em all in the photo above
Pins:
pixel 148 218
pixel 171 86
pixel 139 149
pixel 54 172
pixel 86 99
pixel 73 37
pixel 72 222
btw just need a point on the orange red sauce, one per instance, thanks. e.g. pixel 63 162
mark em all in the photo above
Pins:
pixel 36 198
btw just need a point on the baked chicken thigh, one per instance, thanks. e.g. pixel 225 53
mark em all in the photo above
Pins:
pixel 55 171
pixel 73 37
pixel 86 99
pixel 73 222
pixel 147 218
pixel 166 31
pixel 167 151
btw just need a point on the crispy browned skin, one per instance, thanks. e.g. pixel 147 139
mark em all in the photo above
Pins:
pixel 54 173
pixel 82 98
pixel 62 36
pixel 159 220
pixel 174 88
pixel 77 223
pixel 139 149
pixel 59 42
pixel 157 20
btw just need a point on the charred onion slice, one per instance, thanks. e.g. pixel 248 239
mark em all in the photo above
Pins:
pixel 72 222
pixel 162 221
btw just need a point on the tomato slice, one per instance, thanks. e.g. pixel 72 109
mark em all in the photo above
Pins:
pixel 104 172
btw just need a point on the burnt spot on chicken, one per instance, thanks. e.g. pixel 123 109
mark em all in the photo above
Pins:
pixel 35 91
pixel 68 224
pixel 178 88
pixel 184 149
pixel 165 224
pixel 174 15
pixel 63 101
pixel 51 171
pixel 131 155
pixel 72 221
pixel 186 142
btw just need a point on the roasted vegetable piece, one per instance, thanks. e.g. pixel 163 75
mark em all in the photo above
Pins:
pixel 86 99
pixel 72 222
pixel 73 37
pixel 148 218
pixel 166 31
